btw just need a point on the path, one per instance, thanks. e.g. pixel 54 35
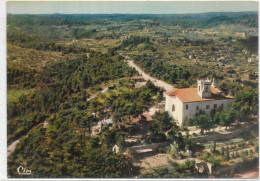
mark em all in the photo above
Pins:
pixel 11 147
pixel 146 76
pixel 251 174
pixel 92 97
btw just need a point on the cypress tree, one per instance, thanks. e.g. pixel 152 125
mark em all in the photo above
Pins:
pixel 227 154
pixel 214 147
pixel 222 151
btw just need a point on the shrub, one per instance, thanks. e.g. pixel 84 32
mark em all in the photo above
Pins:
pixel 241 145
pixel 194 134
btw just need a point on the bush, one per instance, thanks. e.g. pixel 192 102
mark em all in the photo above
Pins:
pixel 155 138
pixel 161 150
pixel 194 134
pixel 241 145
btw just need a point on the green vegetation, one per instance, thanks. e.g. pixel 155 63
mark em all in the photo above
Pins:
pixel 238 111
pixel 66 153
pixel 204 122
pixel 58 69
pixel 177 170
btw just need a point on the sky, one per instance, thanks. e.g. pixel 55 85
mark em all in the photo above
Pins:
pixel 128 7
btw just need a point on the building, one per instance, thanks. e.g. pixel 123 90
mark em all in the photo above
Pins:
pixel 186 103
pixel 145 116
pixel 241 34
pixel 97 128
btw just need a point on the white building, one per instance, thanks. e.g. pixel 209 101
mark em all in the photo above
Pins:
pixel 185 103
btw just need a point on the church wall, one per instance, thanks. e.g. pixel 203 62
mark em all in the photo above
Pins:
pixel 177 114
pixel 192 107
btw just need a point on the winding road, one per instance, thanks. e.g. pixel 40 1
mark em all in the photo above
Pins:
pixel 146 76
pixel 11 147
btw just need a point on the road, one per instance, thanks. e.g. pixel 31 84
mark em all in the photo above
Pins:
pixel 11 147
pixel 156 82
pixel 146 76
pixel 92 97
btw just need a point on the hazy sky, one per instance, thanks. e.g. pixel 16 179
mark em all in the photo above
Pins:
pixel 129 7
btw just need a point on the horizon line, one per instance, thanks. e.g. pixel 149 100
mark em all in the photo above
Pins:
pixel 131 13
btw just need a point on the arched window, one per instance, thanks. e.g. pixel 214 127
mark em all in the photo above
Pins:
pixel 173 108
pixel 199 88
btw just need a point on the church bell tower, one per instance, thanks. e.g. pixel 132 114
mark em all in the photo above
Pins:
pixel 204 88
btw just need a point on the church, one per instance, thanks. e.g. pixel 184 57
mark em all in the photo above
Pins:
pixel 185 103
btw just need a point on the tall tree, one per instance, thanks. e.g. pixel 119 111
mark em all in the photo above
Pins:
pixel 204 122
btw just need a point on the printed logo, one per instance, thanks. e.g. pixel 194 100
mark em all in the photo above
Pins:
pixel 23 171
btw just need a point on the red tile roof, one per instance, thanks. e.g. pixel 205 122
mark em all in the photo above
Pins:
pixel 191 95
pixel 145 114
pixel 215 90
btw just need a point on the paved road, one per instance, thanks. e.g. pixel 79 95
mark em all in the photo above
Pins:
pixel 146 76
pixel 11 148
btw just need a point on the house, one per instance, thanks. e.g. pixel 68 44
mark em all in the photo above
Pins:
pixel 97 128
pixel 186 103
pixel 241 34
pixel 145 116
pixel 252 58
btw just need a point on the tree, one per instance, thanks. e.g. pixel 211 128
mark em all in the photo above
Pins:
pixel 204 122
pixel 129 109
pixel 226 118
pixel 214 147
pixel 227 154
pixel 87 121
pixel 222 151
pixel 189 147
pixel 180 142
pixel 224 88
pixel 165 120
pixel 120 139
pixel 172 135
pixel 132 109
pixel 246 102
pixel 117 118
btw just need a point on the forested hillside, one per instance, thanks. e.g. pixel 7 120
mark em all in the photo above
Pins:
pixel 66 74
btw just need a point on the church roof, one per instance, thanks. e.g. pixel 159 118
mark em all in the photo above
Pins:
pixel 191 95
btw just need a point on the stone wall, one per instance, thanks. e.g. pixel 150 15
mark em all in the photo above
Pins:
pixel 152 146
